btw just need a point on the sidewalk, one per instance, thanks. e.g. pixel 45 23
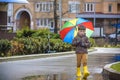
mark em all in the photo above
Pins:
pixel 35 56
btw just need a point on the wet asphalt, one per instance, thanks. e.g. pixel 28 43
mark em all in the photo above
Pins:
pixel 57 68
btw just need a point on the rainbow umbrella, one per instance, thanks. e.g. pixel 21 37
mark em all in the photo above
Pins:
pixel 70 28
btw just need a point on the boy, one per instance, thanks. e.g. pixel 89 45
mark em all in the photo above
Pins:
pixel 81 43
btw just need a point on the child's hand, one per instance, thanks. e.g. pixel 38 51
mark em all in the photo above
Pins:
pixel 83 45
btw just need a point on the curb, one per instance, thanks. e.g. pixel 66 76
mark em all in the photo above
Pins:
pixel 109 73
pixel 35 56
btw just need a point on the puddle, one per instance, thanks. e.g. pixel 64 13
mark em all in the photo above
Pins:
pixel 62 76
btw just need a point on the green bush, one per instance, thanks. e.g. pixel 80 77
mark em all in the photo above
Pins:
pixel 25 46
pixel 59 46
pixel 26 32
pixel 43 33
pixel 36 41
pixel 5 46
pixel 117 46
pixel 54 36
pixel 93 43
pixel 17 48
pixel 29 45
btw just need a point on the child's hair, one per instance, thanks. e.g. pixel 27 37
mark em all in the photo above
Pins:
pixel 81 27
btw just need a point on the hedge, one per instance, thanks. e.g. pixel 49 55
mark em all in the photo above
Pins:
pixel 34 42
pixel 5 46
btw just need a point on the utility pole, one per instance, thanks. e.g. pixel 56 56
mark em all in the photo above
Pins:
pixel 55 16
pixel 116 32
pixel 94 14
pixel 60 13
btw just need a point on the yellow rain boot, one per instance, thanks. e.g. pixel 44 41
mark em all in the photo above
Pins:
pixel 78 78
pixel 86 73
pixel 78 72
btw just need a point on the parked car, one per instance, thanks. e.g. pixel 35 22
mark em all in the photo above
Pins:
pixel 113 36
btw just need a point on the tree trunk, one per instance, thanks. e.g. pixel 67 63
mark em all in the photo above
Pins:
pixel 55 16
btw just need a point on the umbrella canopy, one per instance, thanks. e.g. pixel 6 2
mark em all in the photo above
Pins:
pixel 13 1
pixel 70 28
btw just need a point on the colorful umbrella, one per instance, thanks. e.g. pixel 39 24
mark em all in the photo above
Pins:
pixel 69 29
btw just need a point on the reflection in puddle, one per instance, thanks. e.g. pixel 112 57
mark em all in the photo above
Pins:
pixel 62 77
pixel 98 70
pixel 49 77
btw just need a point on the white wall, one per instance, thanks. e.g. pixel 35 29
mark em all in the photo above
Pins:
pixel 97 32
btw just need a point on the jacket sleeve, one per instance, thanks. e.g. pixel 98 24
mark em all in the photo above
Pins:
pixel 87 43
pixel 75 42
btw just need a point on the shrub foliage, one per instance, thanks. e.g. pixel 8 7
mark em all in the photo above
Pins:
pixel 34 42
pixel 5 46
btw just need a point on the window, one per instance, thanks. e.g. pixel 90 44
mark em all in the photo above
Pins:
pixel 10 14
pixel 89 7
pixel 9 19
pixel 37 22
pixel 110 8
pixel 118 7
pixel 45 22
pixel 74 6
pixel 58 7
pixel 44 6
pixel 37 5
pixel 52 25
pixel 51 6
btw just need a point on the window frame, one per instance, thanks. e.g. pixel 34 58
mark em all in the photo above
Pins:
pixel 110 8
pixel 89 7
pixel 44 6
pixel 45 22
pixel 73 6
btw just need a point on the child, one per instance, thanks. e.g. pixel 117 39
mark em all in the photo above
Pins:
pixel 81 44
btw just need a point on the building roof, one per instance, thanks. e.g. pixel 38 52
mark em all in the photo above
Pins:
pixel 98 15
pixel 13 1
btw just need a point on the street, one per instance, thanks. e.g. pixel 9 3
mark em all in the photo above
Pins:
pixel 57 68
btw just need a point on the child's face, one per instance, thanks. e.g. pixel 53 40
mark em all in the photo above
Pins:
pixel 81 32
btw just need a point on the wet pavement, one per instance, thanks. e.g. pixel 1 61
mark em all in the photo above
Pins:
pixel 57 68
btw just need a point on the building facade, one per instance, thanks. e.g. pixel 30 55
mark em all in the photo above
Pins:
pixel 103 14
pixel 41 13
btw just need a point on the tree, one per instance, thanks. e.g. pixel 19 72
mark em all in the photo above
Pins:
pixel 55 16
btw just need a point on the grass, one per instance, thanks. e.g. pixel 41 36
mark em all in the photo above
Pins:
pixel 116 67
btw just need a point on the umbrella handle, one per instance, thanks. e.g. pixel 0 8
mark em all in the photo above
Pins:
pixel 76 31
pixel 76 27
